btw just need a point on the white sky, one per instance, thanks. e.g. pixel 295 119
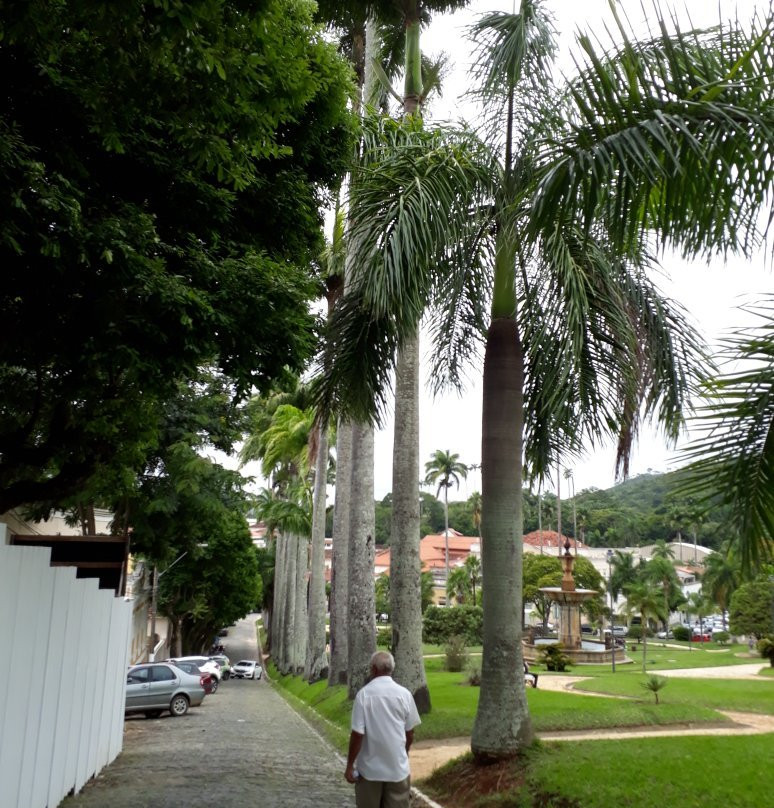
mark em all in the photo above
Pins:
pixel 711 294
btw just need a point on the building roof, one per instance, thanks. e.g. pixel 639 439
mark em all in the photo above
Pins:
pixel 549 538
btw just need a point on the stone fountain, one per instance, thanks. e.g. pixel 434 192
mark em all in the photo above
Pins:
pixel 569 599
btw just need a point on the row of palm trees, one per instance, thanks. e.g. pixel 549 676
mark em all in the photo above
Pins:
pixel 534 246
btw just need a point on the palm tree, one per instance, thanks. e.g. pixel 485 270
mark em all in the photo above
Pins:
pixel 733 459
pixel 555 236
pixel 700 605
pixel 473 568
pixel 647 600
pixel 623 573
pixel 568 475
pixel 720 579
pixel 445 469
pixel 458 586
pixel 662 550
pixel 474 501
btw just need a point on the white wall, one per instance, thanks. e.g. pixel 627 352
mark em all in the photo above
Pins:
pixel 64 655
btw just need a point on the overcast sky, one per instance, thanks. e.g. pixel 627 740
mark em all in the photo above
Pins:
pixel 710 293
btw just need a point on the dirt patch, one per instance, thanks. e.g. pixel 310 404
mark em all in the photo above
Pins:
pixel 468 785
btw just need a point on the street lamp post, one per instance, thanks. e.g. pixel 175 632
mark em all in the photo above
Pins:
pixel 154 600
pixel 610 588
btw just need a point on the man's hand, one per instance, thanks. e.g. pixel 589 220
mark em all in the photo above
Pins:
pixel 349 774
pixel 355 742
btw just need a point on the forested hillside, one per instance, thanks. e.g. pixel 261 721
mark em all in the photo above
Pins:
pixel 635 512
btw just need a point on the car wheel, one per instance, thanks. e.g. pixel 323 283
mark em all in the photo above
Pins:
pixel 152 713
pixel 214 685
pixel 179 705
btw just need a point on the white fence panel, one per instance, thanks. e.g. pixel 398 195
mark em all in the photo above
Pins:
pixel 65 650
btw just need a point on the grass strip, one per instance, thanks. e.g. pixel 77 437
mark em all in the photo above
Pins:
pixel 680 772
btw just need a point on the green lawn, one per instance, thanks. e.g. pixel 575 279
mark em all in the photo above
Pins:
pixel 722 694
pixel 680 772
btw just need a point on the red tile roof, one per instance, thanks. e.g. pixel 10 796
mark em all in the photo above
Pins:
pixel 549 538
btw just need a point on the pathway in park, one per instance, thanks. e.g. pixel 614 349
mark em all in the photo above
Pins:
pixel 428 755
pixel 244 746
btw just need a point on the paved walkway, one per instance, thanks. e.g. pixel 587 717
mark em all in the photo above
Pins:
pixel 245 746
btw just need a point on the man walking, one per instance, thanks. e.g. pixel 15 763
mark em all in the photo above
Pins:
pixel 383 719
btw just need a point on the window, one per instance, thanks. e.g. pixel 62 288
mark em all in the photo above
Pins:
pixel 163 674
pixel 138 676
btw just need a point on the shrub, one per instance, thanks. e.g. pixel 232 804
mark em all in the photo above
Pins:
pixel 554 658
pixel 474 677
pixel 681 633
pixel 654 684
pixel 721 637
pixel 635 633
pixel 456 654
pixel 441 623
pixel 766 648
pixel 384 638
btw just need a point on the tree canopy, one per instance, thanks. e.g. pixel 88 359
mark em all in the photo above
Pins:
pixel 162 167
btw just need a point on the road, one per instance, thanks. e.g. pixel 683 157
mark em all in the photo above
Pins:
pixel 244 746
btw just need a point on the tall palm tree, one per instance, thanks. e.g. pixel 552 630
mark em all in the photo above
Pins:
pixel 553 232
pixel 647 600
pixel 445 470
pixel 720 579
pixel 570 477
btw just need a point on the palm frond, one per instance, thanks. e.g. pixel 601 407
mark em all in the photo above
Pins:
pixel 732 460
pixel 415 198
pixel 604 350
pixel 672 135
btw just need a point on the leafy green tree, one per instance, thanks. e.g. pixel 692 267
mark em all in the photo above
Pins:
pixel 752 608
pixel 160 195
pixel 571 213
pixel 458 587
pixel 215 585
pixel 382 594
pixel 445 470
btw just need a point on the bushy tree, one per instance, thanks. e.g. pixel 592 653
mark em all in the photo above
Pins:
pixel 752 608
pixel 160 191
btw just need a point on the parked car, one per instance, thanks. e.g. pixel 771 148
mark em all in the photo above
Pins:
pixel 204 663
pixel 618 631
pixel 247 669
pixel 158 686
pixel 587 629
pixel 665 635
pixel 225 664
pixel 193 668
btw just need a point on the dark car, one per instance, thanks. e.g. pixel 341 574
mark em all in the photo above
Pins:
pixel 158 686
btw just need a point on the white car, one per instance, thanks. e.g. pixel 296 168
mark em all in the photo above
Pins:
pixel 246 669
pixel 205 664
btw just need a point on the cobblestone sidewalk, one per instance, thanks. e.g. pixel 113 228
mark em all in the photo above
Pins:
pixel 243 747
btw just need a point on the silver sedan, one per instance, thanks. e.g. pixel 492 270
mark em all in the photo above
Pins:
pixel 159 686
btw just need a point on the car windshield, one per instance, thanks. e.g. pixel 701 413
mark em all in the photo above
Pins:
pixel 245 663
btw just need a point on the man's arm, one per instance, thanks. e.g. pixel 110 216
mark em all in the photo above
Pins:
pixel 355 742
pixel 409 739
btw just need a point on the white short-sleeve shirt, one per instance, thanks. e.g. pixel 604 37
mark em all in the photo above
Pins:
pixel 384 712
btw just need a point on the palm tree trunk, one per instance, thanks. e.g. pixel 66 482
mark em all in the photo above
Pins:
pixel 502 725
pixel 301 618
pixel 446 539
pixel 316 666
pixel 289 604
pixel 405 565
pixel 361 606
pixel 278 606
pixel 339 657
